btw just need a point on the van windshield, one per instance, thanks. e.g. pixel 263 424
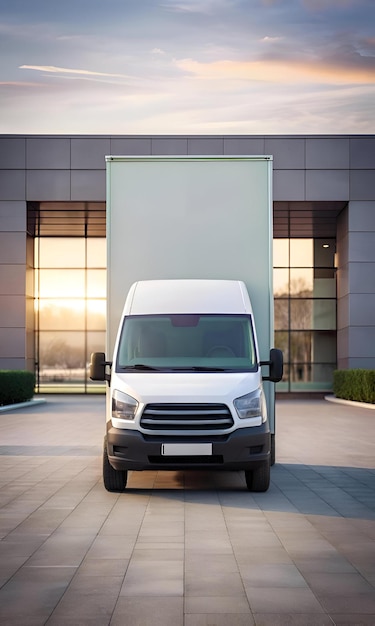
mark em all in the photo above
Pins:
pixel 187 343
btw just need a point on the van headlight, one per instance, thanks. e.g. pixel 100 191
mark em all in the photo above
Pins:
pixel 251 405
pixel 123 406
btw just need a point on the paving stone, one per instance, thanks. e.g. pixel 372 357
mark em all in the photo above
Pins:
pixel 187 549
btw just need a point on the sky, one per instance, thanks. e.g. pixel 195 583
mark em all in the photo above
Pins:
pixel 166 67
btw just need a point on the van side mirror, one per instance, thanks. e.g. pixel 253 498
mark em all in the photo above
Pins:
pixel 97 366
pixel 276 365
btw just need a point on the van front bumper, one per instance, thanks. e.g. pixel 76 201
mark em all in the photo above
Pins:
pixel 243 449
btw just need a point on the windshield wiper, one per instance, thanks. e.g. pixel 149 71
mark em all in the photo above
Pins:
pixel 199 368
pixel 140 366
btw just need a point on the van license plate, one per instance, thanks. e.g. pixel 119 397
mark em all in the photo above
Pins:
pixel 186 449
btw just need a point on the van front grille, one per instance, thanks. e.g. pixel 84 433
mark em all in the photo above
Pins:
pixel 186 417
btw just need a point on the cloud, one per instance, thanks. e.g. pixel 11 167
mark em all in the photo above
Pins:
pixel 281 71
pixel 327 5
pixel 66 70
pixel 198 6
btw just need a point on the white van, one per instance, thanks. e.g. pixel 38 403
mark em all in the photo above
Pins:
pixel 185 383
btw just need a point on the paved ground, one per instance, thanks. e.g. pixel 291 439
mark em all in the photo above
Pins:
pixel 186 549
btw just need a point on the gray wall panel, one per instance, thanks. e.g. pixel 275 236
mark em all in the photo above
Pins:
pixel 367 364
pixel 135 146
pixel 13 248
pixel 244 145
pixel 343 348
pixel 48 185
pixel 89 153
pixel 343 223
pixel 205 145
pixel 12 311
pixel 88 185
pixel 288 185
pixel 331 153
pixel 287 153
pixel 342 275
pixel 12 185
pixel 362 310
pixel 12 152
pixel 170 146
pixel 362 215
pixel 12 279
pixel 48 153
pixel 362 247
pixel 362 278
pixel 343 312
pixel 362 185
pixel 362 342
pixel 362 152
pixel 12 216
pixel 12 342
pixel 14 364
pixel 327 185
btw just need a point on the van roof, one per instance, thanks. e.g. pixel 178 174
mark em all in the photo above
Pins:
pixel 187 296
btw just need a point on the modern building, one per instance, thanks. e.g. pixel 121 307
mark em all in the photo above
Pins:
pixel 52 250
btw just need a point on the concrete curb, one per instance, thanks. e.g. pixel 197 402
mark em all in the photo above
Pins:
pixel 22 405
pixel 360 405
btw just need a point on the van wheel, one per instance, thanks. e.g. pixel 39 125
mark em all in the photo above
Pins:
pixel 258 479
pixel 114 480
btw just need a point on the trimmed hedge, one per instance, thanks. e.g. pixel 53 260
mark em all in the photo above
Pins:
pixel 357 385
pixel 16 386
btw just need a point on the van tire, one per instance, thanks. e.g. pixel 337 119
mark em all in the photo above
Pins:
pixel 273 449
pixel 258 480
pixel 114 480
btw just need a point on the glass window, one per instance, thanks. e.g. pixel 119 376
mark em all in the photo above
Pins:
pixel 324 346
pixel 281 311
pixel 96 252
pixel 301 314
pixel 96 283
pixel 301 282
pixel 61 314
pixel 300 347
pixel 312 313
pixel 301 253
pixel 61 356
pixel 282 343
pixel 311 377
pixel 96 314
pixel 61 252
pixel 70 304
pixel 61 283
pixel 324 314
pixel 280 282
pixel 281 252
pixel 187 342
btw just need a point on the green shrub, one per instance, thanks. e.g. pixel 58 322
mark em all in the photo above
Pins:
pixel 357 385
pixel 16 386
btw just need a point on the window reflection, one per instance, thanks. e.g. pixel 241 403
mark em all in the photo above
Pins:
pixel 280 282
pixel 61 315
pixel 305 312
pixel 301 282
pixel 301 252
pixel 58 283
pixel 96 252
pixel 71 311
pixel 96 283
pixel 281 252
pixel 61 251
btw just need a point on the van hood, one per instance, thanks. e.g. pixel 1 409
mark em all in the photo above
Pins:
pixel 186 386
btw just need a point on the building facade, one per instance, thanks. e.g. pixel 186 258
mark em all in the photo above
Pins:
pixel 52 249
